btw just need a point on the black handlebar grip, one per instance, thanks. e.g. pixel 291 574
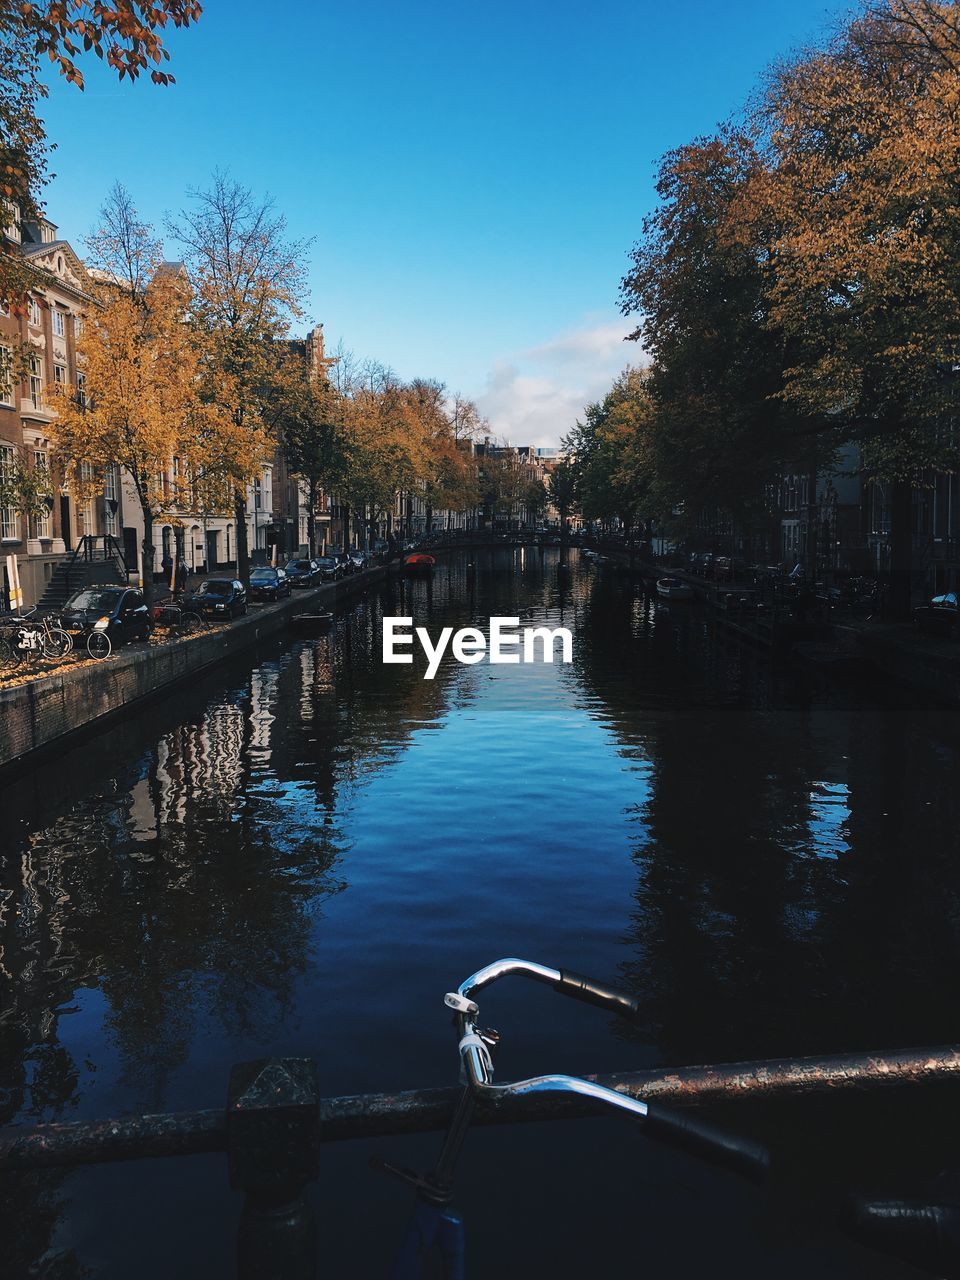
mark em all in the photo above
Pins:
pixel 926 1235
pixel 581 988
pixel 752 1159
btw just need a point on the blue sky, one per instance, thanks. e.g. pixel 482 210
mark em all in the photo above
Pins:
pixel 473 176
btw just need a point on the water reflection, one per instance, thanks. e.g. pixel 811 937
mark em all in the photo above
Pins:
pixel 299 853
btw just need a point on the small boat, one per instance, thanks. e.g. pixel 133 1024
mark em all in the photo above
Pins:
pixel 419 562
pixel 311 623
pixel 674 589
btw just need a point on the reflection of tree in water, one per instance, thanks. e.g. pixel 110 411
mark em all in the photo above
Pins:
pixel 797 885
pixel 184 890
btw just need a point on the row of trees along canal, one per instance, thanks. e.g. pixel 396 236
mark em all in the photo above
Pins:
pixel 191 365
pixel 797 288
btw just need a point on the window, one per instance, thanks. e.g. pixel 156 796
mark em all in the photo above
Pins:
pixel 88 512
pixel 82 390
pixel 33 313
pixel 8 515
pixel 36 382
pixel 60 374
pixel 111 501
pixel 58 326
pixel 6 375
pixel 41 521
pixel 78 326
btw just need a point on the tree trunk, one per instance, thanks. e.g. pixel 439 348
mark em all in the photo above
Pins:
pixel 312 515
pixel 147 553
pixel 429 517
pixel 243 551
pixel 899 598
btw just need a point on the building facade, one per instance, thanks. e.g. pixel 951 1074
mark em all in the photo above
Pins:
pixel 37 353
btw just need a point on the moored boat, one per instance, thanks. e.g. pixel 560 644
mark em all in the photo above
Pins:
pixel 418 562
pixel 311 623
pixel 674 589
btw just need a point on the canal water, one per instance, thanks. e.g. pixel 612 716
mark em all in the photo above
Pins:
pixel 303 852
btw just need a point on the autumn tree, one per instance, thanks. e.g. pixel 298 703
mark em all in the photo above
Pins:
pixel 857 194
pixel 500 481
pixel 143 365
pixel 383 445
pixel 125 34
pixel 562 491
pixel 699 287
pixel 535 499
pixel 307 416
pixel 248 282
pixel 612 452
pixel 26 489
pixel 440 429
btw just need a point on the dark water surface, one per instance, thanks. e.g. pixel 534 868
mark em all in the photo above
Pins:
pixel 303 853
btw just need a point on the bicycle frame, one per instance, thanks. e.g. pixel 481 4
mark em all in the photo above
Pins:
pixel 435 1225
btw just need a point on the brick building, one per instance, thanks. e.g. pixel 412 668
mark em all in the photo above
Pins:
pixel 37 351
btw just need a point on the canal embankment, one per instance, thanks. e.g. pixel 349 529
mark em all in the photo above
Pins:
pixel 39 716
pixel 916 660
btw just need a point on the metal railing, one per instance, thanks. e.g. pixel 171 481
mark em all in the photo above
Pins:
pixel 275 1122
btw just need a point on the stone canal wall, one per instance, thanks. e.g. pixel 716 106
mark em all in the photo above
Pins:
pixel 924 663
pixel 36 717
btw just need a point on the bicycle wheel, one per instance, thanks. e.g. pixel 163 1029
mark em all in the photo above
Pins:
pixel 57 643
pixel 99 645
pixel 191 623
pixel 10 655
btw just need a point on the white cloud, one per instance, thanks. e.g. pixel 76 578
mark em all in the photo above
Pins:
pixel 535 396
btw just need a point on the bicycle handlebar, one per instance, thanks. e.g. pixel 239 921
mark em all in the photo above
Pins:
pixel 705 1139
pixel 565 981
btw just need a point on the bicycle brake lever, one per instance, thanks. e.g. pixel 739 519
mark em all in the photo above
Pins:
pixel 419 1181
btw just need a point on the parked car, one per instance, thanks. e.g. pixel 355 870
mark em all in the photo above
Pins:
pixel 329 569
pixel 359 560
pixel 119 611
pixel 939 615
pixel 302 573
pixel 341 557
pixel 218 598
pixel 269 584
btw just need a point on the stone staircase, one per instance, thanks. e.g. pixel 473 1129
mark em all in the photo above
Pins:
pixel 68 578
pixel 96 560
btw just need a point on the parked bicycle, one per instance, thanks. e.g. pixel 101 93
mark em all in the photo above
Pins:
pixel 434 1244
pixel 176 618
pixel 99 644
pixel 25 637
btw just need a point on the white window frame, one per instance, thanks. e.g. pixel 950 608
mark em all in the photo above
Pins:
pixel 6 388
pixel 88 513
pixel 78 326
pixel 111 492
pixel 82 390
pixel 42 524
pixel 59 328
pixel 36 382
pixel 33 313
pixel 9 522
